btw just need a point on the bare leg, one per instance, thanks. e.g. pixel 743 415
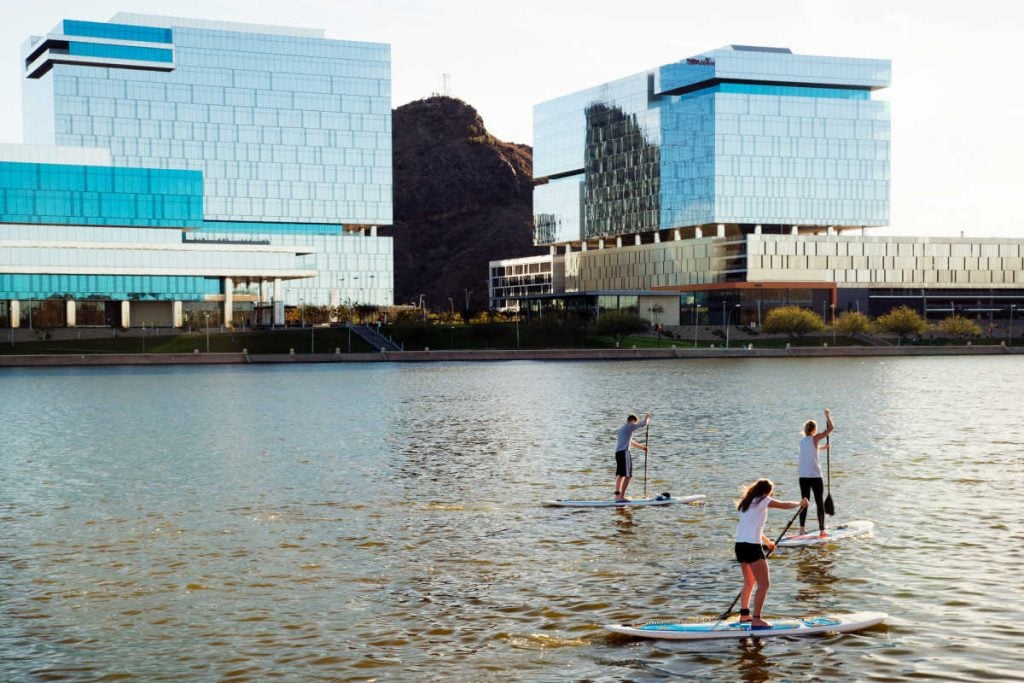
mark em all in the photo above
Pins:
pixel 764 582
pixel 748 586
pixel 623 487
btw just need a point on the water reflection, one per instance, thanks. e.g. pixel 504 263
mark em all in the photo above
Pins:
pixel 754 666
pixel 815 569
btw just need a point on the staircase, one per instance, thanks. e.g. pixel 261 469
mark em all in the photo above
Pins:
pixel 374 338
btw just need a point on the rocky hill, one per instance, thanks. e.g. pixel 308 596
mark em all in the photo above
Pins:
pixel 462 198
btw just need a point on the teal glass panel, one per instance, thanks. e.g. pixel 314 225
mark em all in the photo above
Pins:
pixel 92 29
pixel 146 54
pixel 100 195
pixel 116 287
pixel 787 91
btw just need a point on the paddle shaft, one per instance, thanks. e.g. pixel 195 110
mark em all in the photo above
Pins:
pixel 828 464
pixel 830 506
pixel 727 612
pixel 647 448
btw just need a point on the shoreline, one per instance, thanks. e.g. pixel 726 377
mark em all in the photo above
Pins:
pixel 238 358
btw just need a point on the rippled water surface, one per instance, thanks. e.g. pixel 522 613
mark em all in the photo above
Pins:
pixel 328 522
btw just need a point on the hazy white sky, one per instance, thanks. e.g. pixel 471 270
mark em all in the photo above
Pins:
pixel 958 69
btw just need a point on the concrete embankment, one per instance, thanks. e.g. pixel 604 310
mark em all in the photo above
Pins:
pixel 56 360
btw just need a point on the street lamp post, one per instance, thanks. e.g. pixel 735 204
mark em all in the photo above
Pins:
pixel 452 304
pixel 206 314
pixel 694 303
pixel 833 324
pixel 1009 329
pixel 423 309
pixel 727 318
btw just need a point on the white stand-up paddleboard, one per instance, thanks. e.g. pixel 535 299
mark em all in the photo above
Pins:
pixel 807 626
pixel 663 499
pixel 840 531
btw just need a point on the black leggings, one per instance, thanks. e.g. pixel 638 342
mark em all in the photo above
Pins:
pixel 807 485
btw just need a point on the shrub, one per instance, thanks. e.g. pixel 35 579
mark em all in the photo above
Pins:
pixel 616 323
pixel 958 326
pixel 853 322
pixel 901 321
pixel 792 320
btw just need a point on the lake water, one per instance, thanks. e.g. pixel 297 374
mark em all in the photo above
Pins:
pixel 383 522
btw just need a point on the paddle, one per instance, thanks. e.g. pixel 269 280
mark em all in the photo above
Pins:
pixel 647 448
pixel 830 507
pixel 725 615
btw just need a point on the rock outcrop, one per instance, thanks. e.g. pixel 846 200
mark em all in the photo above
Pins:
pixel 462 198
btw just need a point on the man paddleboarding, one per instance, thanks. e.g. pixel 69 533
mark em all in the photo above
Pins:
pixel 623 459
pixel 750 544
pixel 809 470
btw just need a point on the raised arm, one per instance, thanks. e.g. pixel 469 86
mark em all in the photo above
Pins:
pixel 828 428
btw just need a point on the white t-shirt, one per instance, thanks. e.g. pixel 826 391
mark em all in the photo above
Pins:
pixel 809 465
pixel 751 526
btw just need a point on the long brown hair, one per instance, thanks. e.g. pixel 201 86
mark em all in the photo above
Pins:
pixel 760 488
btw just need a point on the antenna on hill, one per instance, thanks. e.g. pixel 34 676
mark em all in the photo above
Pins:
pixel 446 84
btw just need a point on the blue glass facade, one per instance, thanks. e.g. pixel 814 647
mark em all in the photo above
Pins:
pixel 284 128
pixel 271 138
pixel 735 136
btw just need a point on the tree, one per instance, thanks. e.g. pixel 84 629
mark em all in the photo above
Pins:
pixel 792 320
pixel 957 326
pixel 902 321
pixel 853 322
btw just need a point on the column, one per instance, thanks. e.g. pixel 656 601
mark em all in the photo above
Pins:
pixel 554 250
pixel 69 309
pixel 794 230
pixel 657 237
pixel 229 301
pixel 600 243
pixel 757 229
pixel 677 234
pixel 636 240
pixel 583 246
pixel 721 230
pixel 618 241
pixel 278 305
pixel 176 315
pixel 15 312
pixel 126 314
pixel 698 232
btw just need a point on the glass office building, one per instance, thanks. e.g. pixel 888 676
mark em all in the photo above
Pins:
pixel 270 138
pixel 740 136
pixel 735 180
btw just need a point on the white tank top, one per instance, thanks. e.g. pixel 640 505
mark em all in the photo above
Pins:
pixel 751 526
pixel 809 465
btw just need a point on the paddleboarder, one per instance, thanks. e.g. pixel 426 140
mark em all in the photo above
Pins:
pixel 623 460
pixel 750 544
pixel 809 470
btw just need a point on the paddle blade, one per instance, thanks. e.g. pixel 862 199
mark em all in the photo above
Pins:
pixel 830 507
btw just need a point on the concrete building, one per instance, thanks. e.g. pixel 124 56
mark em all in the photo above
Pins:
pixel 179 166
pixel 736 180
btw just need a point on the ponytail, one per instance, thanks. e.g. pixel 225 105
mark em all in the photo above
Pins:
pixel 759 489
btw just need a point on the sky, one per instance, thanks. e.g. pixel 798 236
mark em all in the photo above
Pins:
pixel 957 93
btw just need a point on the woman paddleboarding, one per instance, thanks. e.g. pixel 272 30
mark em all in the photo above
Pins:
pixel 750 544
pixel 809 470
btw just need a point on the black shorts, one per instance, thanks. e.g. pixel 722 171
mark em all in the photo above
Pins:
pixel 623 464
pixel 747 553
